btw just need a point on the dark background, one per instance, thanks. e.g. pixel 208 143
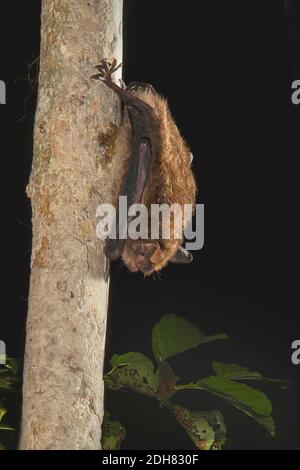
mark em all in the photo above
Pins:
pixel 226 69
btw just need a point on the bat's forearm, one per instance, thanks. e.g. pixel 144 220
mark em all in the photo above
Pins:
pixel 128 98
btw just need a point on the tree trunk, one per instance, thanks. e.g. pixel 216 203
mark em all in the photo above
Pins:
pixel 73 142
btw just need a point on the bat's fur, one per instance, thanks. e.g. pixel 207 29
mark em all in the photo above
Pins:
pixel 170 181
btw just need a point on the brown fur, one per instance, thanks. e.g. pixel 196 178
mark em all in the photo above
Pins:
pixel 170 181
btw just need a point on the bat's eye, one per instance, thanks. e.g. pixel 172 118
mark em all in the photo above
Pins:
pixel 142 253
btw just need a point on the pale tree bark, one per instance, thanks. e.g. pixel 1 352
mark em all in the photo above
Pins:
pixel 73 143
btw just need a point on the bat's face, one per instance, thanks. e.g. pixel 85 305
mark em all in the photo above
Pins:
pixel 141 256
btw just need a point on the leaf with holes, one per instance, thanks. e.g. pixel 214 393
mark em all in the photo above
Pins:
pixel 113 433
pixel 132 371
pixel 205 429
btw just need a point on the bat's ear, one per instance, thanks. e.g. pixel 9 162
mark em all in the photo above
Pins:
pixel 182 256
pixel 113 249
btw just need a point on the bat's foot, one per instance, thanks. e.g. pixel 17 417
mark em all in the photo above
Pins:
pixel 106 69
pixel 135 86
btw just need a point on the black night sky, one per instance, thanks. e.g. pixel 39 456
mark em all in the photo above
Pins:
pixel 226 69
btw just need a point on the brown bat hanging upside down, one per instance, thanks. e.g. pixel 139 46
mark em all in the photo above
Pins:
pixel 154 168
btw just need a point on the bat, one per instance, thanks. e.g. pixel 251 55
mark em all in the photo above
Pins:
pixel 153 167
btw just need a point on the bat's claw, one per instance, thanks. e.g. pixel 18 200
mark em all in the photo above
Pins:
pixel 122 84
pixel 97 76
pixel 106 68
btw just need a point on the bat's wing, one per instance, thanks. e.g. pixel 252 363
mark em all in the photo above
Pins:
pixel 142 118
pixel 134 187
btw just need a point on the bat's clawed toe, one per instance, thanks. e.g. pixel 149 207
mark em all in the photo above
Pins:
pixel 106 68
pixel 97 76
pixel 122 84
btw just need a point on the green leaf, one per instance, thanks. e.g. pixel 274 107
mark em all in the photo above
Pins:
pixel 236 372
pixel 266 422
pixel 132 371
pixel 216 421
pixel 8 374
pixel 7 382
pixel 13 364
pixel 240 393
pixel 119 360
pixel 3 412
pixel 5 427
pixel 113 433
pixel 173 335
pixel 243 397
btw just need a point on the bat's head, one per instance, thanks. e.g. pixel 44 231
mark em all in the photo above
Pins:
pixel 149 256
pixel 140 255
